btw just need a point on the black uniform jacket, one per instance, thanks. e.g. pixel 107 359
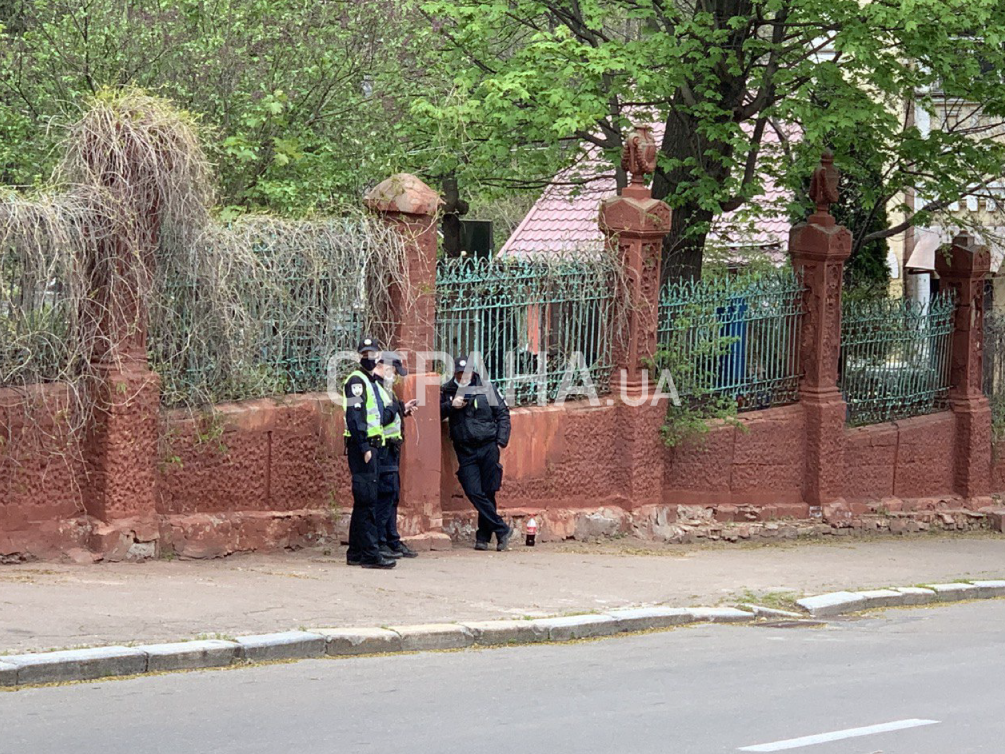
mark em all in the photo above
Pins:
pixel 483 419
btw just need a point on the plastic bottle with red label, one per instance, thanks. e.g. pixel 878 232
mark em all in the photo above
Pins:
pixel 531 532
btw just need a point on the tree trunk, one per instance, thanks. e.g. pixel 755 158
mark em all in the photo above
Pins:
pixel 683 142
pixel 453 208
pixel 683 256
pixel 683 250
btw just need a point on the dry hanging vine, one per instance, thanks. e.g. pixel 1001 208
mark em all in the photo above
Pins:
pixel 123 234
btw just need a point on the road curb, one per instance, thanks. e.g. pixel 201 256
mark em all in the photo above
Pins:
pixel 287 645
pixel 8 675
pixel 494 633
pixel 954 592
pixel 434 636
pixel 649 618
pixel 190 655
pixel 916 595
pixel 77 665
pixel 360 641
pixel 771 613
pixel 840 603
pixel 720 615
pixel 832 603
pixel 105 662
pixel 574 627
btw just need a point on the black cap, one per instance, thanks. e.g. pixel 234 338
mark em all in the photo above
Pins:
pixel 461 365
pixel 368 344
pixel 390 358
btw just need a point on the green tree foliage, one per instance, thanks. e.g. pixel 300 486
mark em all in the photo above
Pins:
pixel 866 269
pixel 531 77
pixel 301 97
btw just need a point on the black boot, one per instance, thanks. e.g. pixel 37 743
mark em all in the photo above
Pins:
pixel 503 539
pixel 382 563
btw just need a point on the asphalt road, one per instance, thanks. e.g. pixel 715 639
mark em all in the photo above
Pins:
pixel 934 675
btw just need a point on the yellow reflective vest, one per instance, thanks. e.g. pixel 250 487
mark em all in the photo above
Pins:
pixel 392 431
pixel 373 423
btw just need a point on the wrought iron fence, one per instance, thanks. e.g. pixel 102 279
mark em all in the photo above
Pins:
pixel 994 370
pixel 533 322
pixel 35 318
pixel 733 337
pixel 291 327
pixel 895 357
pixel 263 319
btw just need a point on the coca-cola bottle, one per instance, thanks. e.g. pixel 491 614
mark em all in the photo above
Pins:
pixel 531 532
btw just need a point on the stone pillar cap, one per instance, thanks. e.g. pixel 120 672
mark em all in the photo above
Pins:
pixel 964 258
pixel 403 192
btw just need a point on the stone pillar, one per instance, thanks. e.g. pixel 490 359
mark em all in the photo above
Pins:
pixel 634 226
pixel 964 270
pixel 121 448
pixel 819 248
pixel 410 207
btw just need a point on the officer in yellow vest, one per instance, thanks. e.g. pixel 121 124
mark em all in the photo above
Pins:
pixel 364 438
pixel 394 411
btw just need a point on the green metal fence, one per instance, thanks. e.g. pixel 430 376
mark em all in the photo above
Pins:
pixel 35 319
pixel 290 329
pixel 994 370
pixel 734 337
pixel 532 323
pixel 265 323
pixel 895 357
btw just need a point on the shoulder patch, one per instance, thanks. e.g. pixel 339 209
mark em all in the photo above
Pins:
pixel 357 389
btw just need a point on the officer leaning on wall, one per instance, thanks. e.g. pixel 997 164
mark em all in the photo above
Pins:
pixel 364 438
pixel 393 413
pixel 479 426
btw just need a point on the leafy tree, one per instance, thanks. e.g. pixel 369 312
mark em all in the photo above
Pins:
pixel 300 94
pixel 532 77
pixel 858 210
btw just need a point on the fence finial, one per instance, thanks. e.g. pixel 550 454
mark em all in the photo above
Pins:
pixel 638 157
pixel 824 183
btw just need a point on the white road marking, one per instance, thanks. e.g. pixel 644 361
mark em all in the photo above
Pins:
pixel 822 738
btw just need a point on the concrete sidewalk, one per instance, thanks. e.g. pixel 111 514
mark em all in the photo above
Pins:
pixel 48 606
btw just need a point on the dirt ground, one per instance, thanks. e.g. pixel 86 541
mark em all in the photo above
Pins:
pixel 50 605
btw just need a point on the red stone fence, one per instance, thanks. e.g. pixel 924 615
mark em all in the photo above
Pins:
pixel 269 473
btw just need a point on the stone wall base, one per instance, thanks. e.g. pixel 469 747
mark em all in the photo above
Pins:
pixel 201 535
pixel 683 524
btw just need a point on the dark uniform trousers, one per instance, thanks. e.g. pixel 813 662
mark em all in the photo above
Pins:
pixel 388 493
pixel 363 533
pixel 480 474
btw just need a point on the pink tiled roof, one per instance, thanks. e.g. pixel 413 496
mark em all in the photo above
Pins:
pixel 565 216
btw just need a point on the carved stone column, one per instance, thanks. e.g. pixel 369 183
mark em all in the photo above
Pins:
pixel 634 226
pixel 964 271
pixel 410 207
pixel 121 447
pixel 819 248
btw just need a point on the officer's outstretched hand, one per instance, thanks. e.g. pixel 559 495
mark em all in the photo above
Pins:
pixel 410 406
pixel 367 456
pixel 458 402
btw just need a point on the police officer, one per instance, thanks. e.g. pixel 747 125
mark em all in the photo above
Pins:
pixel 364 438
pixel 389 489
pixel 479 426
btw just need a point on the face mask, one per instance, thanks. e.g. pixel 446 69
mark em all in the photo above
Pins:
pixel 368 364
